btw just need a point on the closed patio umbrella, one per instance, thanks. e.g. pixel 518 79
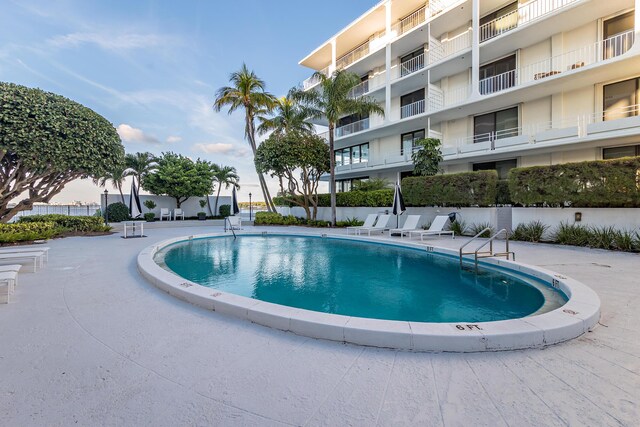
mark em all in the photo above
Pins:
pixel 398 203
pixel 135 208
pixel 234 202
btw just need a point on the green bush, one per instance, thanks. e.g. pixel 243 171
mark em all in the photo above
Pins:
pixel 604 237
pixel 503 196
pixel 477 228
pixel 351 199
pixel 69 223
pixel 458 189
pixel 458 227
pixel 350 222
pixel 27 231
pixel 225 210
pixel 274 218
pixel 149 217
pixel 531 232
pixel 118 212
pixel 572 234
pixel 601 183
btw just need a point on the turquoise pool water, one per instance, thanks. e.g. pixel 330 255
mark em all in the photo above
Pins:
pixel 353 278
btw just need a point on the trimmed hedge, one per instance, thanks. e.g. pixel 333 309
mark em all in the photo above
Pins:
pixel 118 212
pixel 71 223
pixel 225 210
pixel 459 189
pixel 371 199
pixel 21 232
pixel 592 184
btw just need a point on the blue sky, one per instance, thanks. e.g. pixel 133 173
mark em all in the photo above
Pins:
pixel 152 67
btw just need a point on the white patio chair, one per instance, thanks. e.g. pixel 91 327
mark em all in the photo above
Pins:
pixel 436 228
pixel 178 213
pixel 368 223
pixel 164 213
pixel 381 226
pixel 411 224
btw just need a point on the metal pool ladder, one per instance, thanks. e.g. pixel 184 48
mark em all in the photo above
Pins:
pixel 479 253
pixel 230 227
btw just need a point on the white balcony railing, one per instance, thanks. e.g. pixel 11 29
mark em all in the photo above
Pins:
pixel 351 57
pixel 412 65
pixel 497 83
pixel 410 22
pixel 412 109
pixel 314 79
pixel 442 49
pixel 525 13
pixel 354 127
pixel 359 90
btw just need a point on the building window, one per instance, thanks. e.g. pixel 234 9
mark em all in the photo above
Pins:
pixel 498 75
pixel 343 185
pixel 618 35
pixel 412 103
pixel 502 167
pixel 355 154
pixel 621 99
pixel 619 152
pixel 498 22
pixel 409 139
pixel 496 125
pixel 412 62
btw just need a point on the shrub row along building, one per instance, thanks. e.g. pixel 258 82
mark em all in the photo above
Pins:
pixel 502 84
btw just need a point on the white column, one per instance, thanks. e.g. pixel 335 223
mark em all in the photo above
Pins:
pixel 387 61
pixel 475 48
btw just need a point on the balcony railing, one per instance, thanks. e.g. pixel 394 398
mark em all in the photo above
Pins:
pixel 351 57
pixel 410 22
pixel 361 89
pixel 497 83
pixel 314 80
pixel 412 65
pixel 568 61
pixel 441 49
pixel 354 127
pixel 412 109
pixel 525 13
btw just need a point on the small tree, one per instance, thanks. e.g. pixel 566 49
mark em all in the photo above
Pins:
pixel 150 204
pixel 297 160
pixel 180 177
pixel 47 141
pixel 427 157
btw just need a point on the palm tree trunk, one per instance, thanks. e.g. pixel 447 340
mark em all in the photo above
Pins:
pixel 121 195
pixel 332 172
pixel 263 185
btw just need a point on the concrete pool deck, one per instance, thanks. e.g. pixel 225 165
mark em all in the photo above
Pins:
pixel 87 340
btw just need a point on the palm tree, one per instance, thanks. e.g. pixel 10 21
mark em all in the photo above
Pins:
pixel 140 165
pixel 248 91
pixel 117 176
pixel 227 176
pixel 332 100
pixel 289 115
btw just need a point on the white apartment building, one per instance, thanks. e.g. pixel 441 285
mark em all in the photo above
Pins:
pixel 501 83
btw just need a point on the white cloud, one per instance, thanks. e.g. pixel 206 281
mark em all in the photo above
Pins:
pixel 110 41
pixel 173 139
pixel 131 134
pixel 221 148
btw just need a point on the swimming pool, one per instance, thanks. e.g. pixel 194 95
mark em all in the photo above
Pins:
pixel 356 278
pixel 241 279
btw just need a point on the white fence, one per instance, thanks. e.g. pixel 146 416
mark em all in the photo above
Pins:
pixel 70 210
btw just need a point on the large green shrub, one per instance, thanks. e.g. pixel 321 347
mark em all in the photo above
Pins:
pixel 274 218
pixel 21 232
pixel 118 212
pixel 71 223
pixel 225 210
pixel 371 199
pixel 601 183
pixel 503 196
pixel 458 189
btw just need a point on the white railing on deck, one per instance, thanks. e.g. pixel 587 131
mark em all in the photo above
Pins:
pixel 351 57
pixel 70 210
pixel 411 21
pixel 360 89
pixel 354 127
pixel 441 49
pixel 525 13
pixel 314 79
pixel 412 65
pixel 497 83
pixel 412 109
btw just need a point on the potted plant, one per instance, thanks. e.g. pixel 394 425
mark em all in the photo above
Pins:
pixel 149 204
pixel 202 215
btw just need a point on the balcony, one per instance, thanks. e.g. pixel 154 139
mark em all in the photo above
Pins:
pixel 351 128
pixel 526 13
pixel 569 61
pixel 412 109
pixel 374 43
pixel 440 50
pixel 412 65
pixel 420 16
pixel 314 80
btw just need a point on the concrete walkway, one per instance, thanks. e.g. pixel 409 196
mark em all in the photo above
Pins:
pixel 87 341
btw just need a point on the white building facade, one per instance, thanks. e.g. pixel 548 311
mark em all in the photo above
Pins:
pixel 502 84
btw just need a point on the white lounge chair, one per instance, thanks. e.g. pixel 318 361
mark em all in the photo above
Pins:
pixel 380 226
pixel 21 249
pixel 7 280
pixel 178 213
pixel 12 257
pixel 368 223
pixel 164 213
pixel 436 228
pixel 234 222
pixel 411 224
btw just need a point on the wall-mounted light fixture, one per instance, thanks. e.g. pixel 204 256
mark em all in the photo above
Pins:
pixel 577 216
